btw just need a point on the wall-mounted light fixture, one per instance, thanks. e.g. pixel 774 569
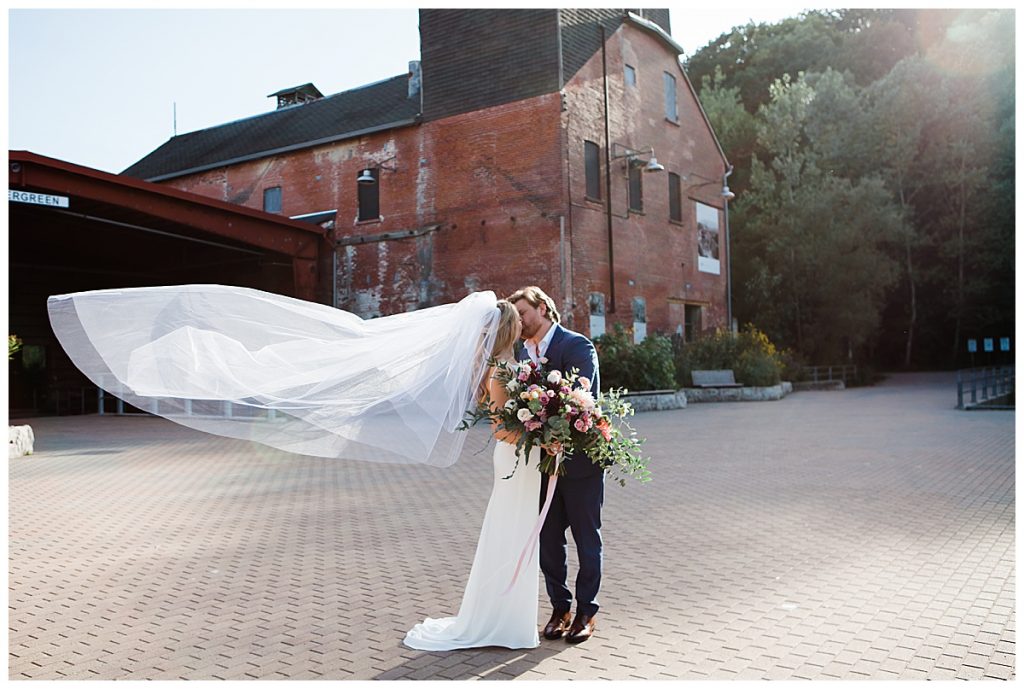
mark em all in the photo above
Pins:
pixel 633 159
pixel 726 192
pixel 366 175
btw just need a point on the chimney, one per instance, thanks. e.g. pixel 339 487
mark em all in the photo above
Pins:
pixel 414 78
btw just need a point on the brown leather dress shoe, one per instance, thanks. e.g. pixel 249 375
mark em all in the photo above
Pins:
pixel 581 629
pixel 557 625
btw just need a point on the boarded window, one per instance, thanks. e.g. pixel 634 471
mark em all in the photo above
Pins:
pixel 670 98
pixel 592 161
pixel 272 200
pixel 675 206
pixel 369 196
pixel 636 188
pixel 630 76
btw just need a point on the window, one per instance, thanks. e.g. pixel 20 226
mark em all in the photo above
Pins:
pixel 707 239
pixel 671 112
pixel 369 196
pixel 272 200
pixel 592 161
pixel 630 76
pixel 675 207
pixel 636 189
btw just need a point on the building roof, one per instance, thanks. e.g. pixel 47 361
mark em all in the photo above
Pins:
pixel 381 105
pixel 121 199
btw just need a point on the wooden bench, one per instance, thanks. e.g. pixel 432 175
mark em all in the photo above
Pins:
pixel 715 379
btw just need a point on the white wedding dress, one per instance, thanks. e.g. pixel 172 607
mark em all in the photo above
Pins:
pixel 488 616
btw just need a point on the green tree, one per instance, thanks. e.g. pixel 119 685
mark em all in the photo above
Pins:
pixel 903 108
pixel 816 273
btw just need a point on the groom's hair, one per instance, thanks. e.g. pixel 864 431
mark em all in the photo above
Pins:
pixel 535 296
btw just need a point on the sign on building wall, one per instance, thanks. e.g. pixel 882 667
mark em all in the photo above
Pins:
pixel 37 199
pixel 597 325
pixel 639 319
pixel 707 239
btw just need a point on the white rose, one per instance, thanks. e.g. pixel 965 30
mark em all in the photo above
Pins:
pixel 525 415
pixel 512 385
pixel 555 377
pixel 584 382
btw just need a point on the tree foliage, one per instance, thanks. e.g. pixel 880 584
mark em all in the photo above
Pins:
pixel 875 179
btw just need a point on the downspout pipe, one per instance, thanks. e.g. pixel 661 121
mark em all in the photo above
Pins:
pixel 728 250
pixel 608 176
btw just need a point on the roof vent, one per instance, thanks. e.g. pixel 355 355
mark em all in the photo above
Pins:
pixel 296 95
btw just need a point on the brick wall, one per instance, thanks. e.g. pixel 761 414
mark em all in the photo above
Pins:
pixel 654 258
pixel 491 178
pixel 501 182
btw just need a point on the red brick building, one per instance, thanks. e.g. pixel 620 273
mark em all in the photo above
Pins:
pixel 563 148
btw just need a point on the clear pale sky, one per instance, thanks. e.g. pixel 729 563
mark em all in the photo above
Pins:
pixel 99 87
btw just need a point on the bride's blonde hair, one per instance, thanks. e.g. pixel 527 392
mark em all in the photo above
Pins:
pixel 508 328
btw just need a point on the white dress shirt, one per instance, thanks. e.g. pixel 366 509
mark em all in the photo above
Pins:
pixel 542 347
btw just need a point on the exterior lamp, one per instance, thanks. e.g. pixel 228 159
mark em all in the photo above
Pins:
pixel 366 175
pixel 633 159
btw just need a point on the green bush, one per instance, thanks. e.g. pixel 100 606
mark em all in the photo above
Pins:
pixel 792 366
pixel 645 366
pixel 752 357
pixel 13 346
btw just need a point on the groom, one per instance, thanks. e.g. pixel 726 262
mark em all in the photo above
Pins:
pixel 579 494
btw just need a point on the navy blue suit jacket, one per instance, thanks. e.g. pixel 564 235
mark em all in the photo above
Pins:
pixel 569 350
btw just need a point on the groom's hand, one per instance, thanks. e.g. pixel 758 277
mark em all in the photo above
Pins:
pixel 553 448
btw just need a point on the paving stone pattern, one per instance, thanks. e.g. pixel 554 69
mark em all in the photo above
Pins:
pixel 865 533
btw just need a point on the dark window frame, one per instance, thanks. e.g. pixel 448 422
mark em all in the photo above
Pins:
pixel 675 198
pixel 368 197
pixel 592 169
pixel 636 189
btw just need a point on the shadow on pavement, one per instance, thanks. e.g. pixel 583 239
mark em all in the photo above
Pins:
pixel 475 663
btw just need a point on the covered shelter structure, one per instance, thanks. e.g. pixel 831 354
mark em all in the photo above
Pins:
pixel 73 228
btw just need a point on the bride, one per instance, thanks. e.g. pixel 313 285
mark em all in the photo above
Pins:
pixel 311 379
pixel 492 614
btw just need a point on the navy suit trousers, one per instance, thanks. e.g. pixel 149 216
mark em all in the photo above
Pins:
pixel 576 505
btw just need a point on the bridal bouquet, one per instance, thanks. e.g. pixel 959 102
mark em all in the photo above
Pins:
pixel 559 411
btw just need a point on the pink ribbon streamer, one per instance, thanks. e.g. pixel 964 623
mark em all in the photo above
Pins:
pixel 531 543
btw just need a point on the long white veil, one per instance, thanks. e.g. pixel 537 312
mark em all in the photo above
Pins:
pixel 291 374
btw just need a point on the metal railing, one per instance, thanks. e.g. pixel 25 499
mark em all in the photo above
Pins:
pixel 817 374
pixel 976 386
pixel 212 409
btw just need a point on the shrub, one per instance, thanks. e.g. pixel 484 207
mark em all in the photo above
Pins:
pixel 645 366
pixel 792 365
pixel 752 357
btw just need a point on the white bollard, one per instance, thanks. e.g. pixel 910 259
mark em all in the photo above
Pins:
pixel 21 441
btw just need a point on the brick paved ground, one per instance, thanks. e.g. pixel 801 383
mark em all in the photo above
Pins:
pixel 859 534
